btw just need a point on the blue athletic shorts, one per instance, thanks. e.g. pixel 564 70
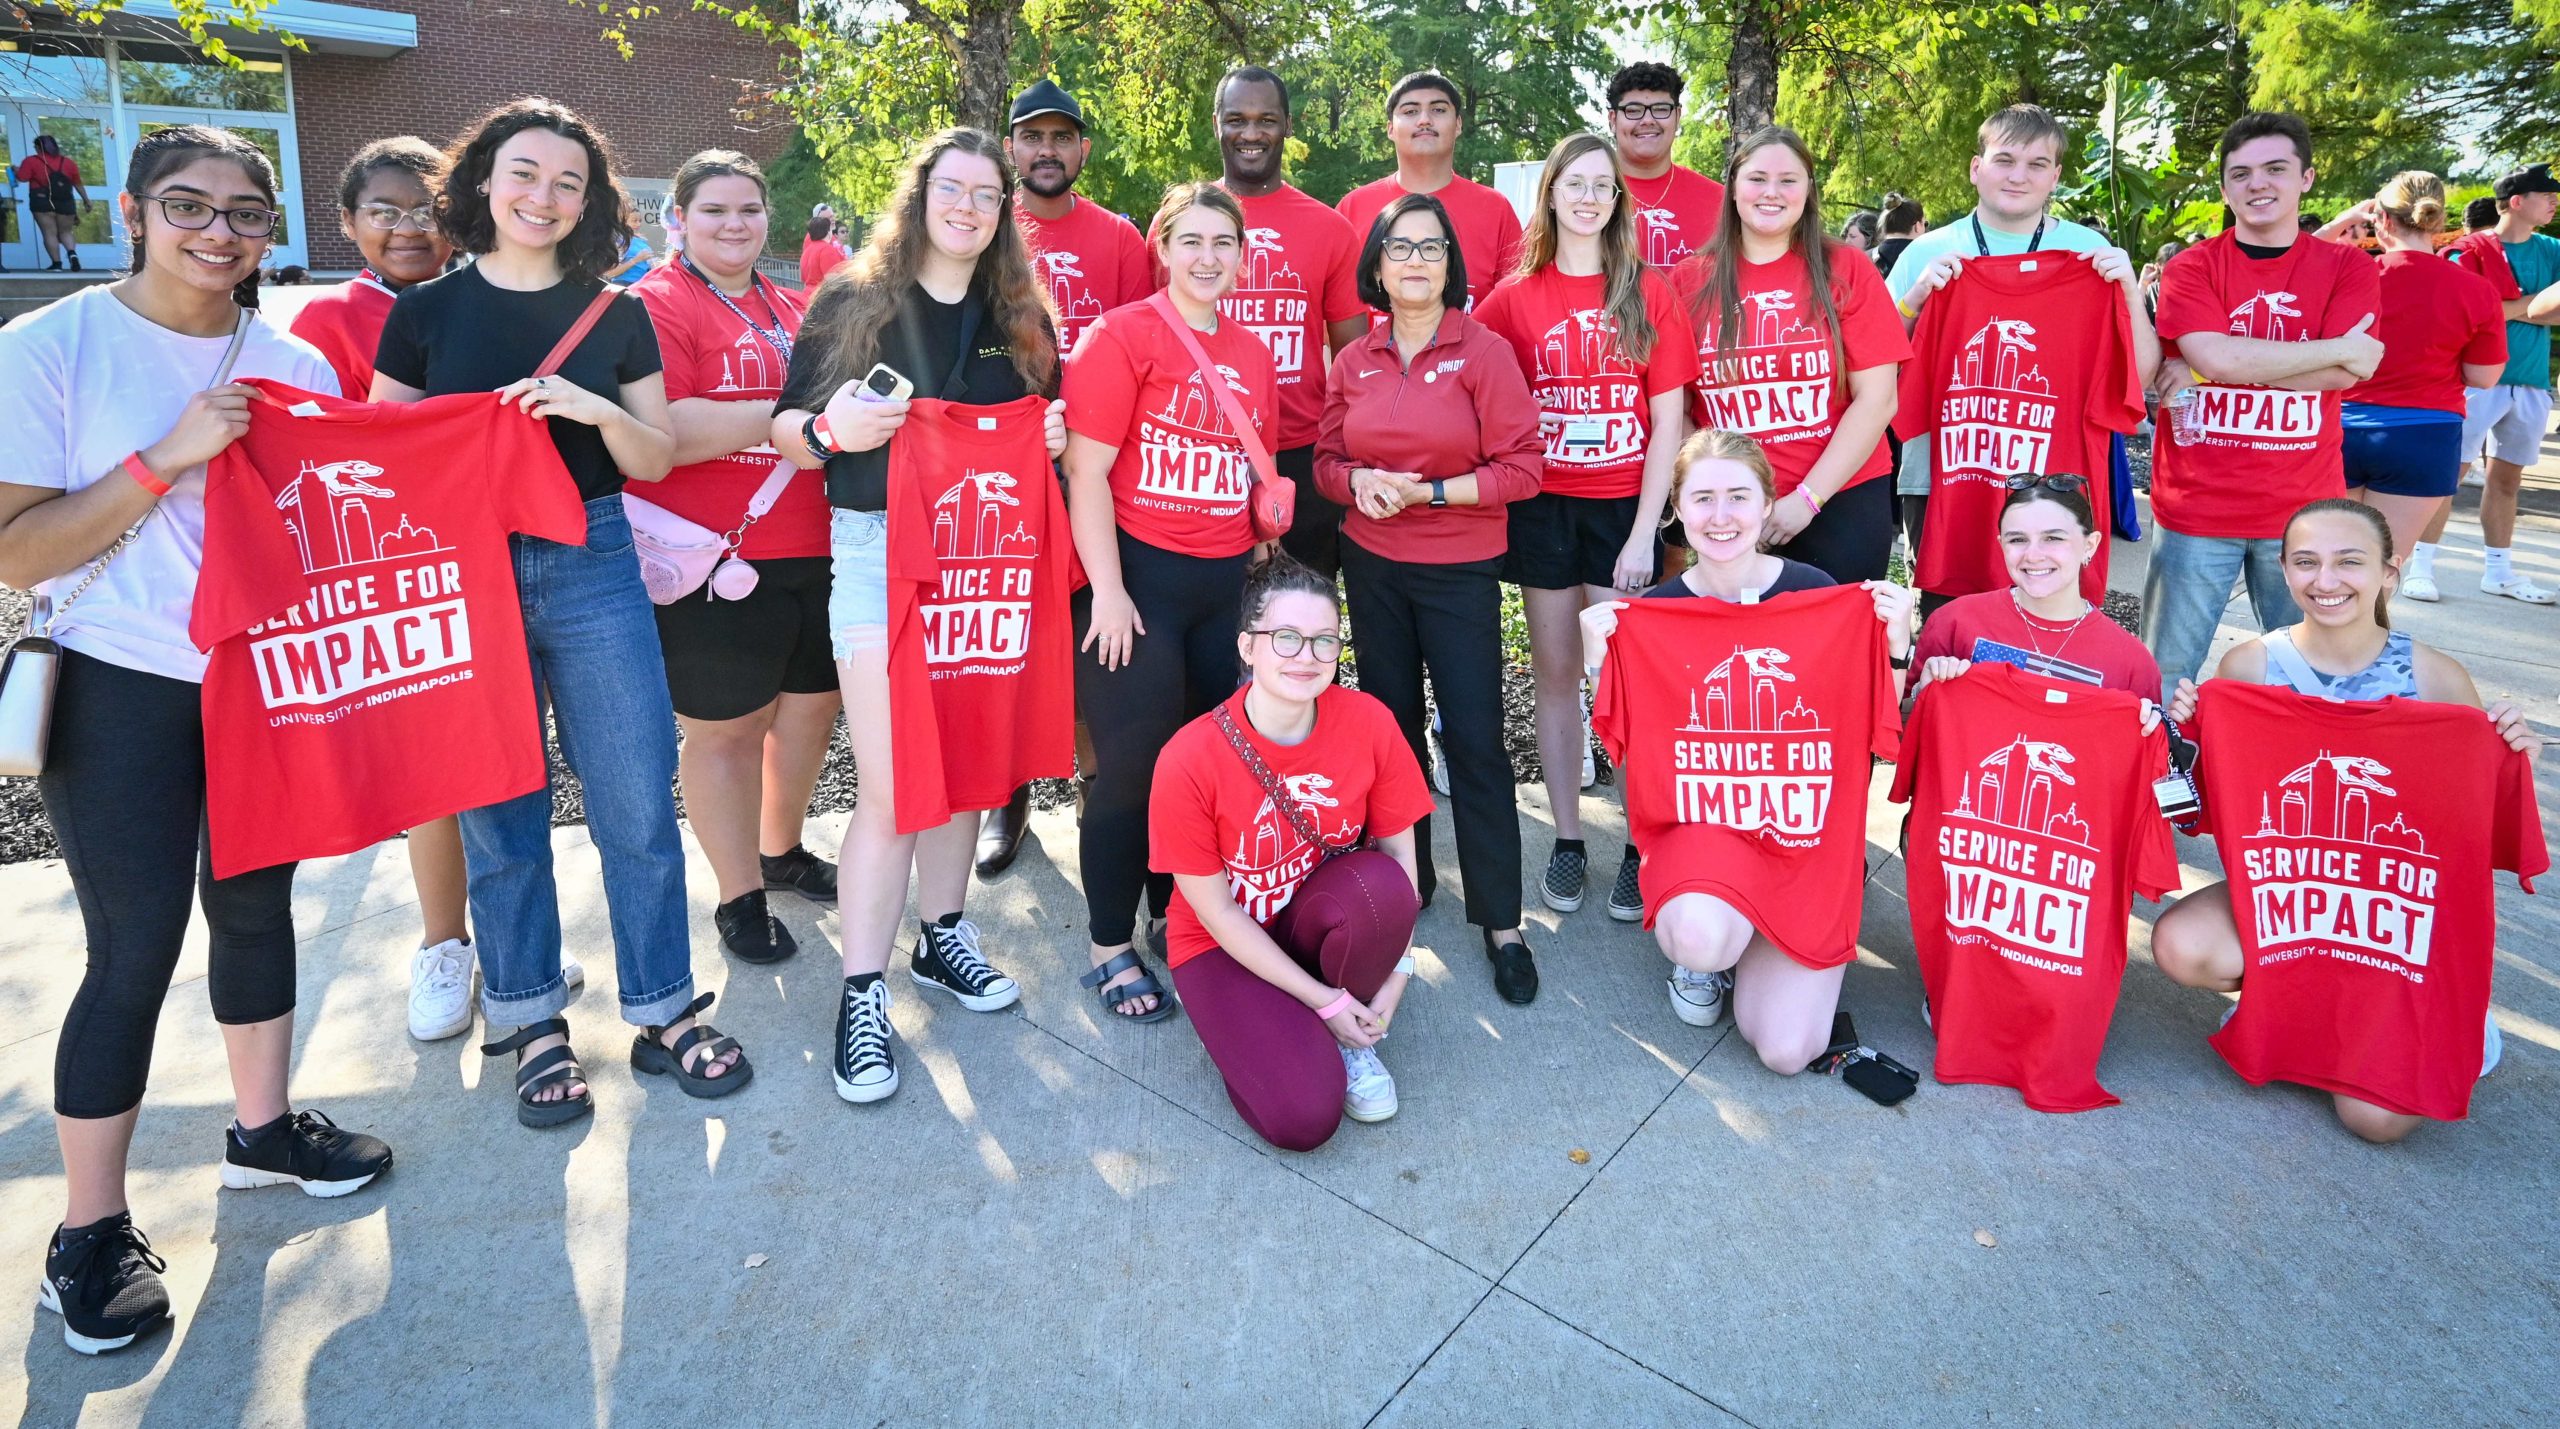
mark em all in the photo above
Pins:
pixel 2402 451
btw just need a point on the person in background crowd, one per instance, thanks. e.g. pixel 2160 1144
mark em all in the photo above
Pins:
pixel 386 204
pixel 1858 231
pixel 1294 962
pixel 1423 124
pixel 2229 476
pixel 2018 154
pixel 110 398
pixel 2509 419
pixel 58 199
pixel 1609 356
pixel 2480 215
pixel 1724 494
pixel 2442 331
pixel 1091 260
pixel 2048 531
pixel 2338 558
pixel 944 295
pixel 2150 283
pixel 820 254
pixel 1294 291
pixel 1676 206
pixel 751 680
pixel 636 254
pixel 1429 435
pixel 531 191
pixel 1899 221
pixel 1156 486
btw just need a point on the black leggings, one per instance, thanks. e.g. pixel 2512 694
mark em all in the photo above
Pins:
pixel 1314 537
pixel 123 787
pixel 1177 671
pixel 1852 540
pixel 1446 619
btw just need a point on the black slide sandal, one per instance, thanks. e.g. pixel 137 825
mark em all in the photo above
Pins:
pixel 650 1055
pixel 1145 986
pixel 553 1066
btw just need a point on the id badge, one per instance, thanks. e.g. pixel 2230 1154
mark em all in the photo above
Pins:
pixel 1585 434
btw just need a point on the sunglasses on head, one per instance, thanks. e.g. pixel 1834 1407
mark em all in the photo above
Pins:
pixel 2061 481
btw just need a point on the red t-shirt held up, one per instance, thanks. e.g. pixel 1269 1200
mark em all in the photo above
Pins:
pixel 981 689
pixel 2436 317
pixel 358 600
pixel 1488 226
pixel 2024 365
pixel 1594 400
pixel 1744 732
pixel 1775 380
pixel 1675 214
pixel 1970 627
pixel 2359 837
pixel 346 325
pixel 712 354
pixel 1182 479
pixel 1297 276
pixel 1091 261
pixel 1353 776
pixel 2032 827
pixel 2239 461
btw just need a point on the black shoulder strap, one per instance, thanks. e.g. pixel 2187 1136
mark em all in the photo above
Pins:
pixel 972 310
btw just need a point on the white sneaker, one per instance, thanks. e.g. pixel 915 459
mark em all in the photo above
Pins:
pixel 2493 1047
pixel 2420 588
pixel 1371 1093
pixel 1698 998
pixel 2517 587
pixel 2472 476
pixel 1439 761
pixel 440 989
pixel 572 971
pixel 1590 771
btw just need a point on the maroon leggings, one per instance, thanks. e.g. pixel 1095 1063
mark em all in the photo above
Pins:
pixel 1348 924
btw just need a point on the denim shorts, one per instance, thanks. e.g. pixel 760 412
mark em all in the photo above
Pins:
pixel 858 581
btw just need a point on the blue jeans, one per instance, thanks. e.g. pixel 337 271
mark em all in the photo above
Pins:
pixel 596 662
pixel 2189 585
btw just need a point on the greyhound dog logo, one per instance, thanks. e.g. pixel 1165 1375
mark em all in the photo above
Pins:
pixel 1997 356
pixel 1061 265
pixel 329 510
pixel 2017 785
pixel 2263 317
pixel 1270 857
pixel 968 519
pixel 2332 797
pixel 1741 696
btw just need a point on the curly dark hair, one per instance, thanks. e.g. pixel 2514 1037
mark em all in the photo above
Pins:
pixel 1651 75
pixel 595 242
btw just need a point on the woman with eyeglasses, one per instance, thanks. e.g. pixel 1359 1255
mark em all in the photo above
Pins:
pixel 2048 532
pixel 1286 817
pixel 1609 357
pixel 1428 437
pixel 943 296
pixel 111 401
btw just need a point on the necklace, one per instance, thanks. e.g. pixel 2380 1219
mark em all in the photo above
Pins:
pixel 2033 622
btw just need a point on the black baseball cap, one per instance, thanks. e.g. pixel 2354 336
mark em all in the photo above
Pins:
pixel 1045 98
pixel 2531 179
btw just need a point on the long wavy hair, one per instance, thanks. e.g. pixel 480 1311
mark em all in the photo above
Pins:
pixel 1721 294
pixel 164 151
pixel 594 244
pixel 860 298
pixel 1619 261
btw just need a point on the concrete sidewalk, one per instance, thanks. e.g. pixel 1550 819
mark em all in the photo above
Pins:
pixel 1059 1220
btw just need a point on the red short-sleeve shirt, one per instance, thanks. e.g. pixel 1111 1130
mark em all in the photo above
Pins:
pixel 1182 479
pixel 1775 379
pixel 1594 400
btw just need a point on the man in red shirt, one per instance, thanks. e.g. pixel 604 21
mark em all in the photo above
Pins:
pixel 1677 208
pixel 1423 124
pixel 1296 292
pixel 2263 326
pixel 1090 259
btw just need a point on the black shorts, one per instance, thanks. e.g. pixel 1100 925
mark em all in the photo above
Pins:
pixel 1559 542
pixel 729 658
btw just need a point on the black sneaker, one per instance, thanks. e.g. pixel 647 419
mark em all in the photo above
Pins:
pixel 305 1149
pixel 865 1069
pixel 801 872
pixel 104 1281
pixel 948 957
pixel 1626 896
pixel 1568 869
pixel 749 930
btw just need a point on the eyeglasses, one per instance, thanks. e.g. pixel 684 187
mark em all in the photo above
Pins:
pixel 1633 112
pixel 387 218
pixel 194 215
pixel 1601 189
pixel 1405 250
pixel 2064 482
pixel 954 192
pixel 1289 644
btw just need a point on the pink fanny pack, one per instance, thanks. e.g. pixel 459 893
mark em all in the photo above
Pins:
pixel 679 557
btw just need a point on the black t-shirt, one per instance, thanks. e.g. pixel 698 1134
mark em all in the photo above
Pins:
pixel 922 342
pixel 1793 576
pixel 461 333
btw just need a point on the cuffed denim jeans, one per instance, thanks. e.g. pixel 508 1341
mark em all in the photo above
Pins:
pixel 2189 585
pixel 596 663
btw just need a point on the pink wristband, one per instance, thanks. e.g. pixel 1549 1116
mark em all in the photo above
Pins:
pixel 144 476
pixel 1337 1007
pixel 1807 493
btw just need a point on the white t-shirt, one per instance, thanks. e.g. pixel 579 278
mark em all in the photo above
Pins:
pixel 83 383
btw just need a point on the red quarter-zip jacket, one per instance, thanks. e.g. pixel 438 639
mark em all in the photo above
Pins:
pixel 1461 409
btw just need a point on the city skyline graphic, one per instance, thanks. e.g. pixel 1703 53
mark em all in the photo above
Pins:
pixel 2263 317
pixel 2332 797
pixel 1192 405
pixel 329 509
pixel 1270 840
pixel 1584 345
pixel 968 520
pixel 1774 321
pixel 1998 357
pixel 1740 696
pixel 2018 785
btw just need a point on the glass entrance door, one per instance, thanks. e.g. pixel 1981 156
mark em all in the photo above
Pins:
pixel 81 134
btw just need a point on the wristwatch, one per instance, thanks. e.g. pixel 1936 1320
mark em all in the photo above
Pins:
pixel 1439 493
pixel 815 435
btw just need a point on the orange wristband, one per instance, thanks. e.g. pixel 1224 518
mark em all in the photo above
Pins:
pixel 143 476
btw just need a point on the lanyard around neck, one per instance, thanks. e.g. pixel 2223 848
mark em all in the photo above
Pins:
pixel 1982 245
pixel 776 336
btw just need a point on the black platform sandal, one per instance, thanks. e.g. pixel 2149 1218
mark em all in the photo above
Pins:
pixel 1145 986
pixel 550 1067
pixel 652 1055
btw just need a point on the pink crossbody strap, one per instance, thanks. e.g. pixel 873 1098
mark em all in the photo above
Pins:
pixel 1212 379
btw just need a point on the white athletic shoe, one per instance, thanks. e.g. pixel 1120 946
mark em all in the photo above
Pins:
pixel 2516 587
pixel 1698 998
pixel 2420 588
pixel 1590 770
pixel 2473 477
pixel 440 981
pixel 1371 1093
pixel 572 972
pixel 2493 1047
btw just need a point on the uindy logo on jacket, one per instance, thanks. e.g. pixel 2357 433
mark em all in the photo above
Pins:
pixel 1996 417
pixel 2332 876
pixel 1773 379
pixel 2019 868
pixel 1743 762
pixel 380 609
pixel 979 615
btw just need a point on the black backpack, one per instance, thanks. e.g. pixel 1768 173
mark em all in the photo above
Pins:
pixel 60 194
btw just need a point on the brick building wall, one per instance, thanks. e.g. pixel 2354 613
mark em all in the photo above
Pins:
pixel 678 93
